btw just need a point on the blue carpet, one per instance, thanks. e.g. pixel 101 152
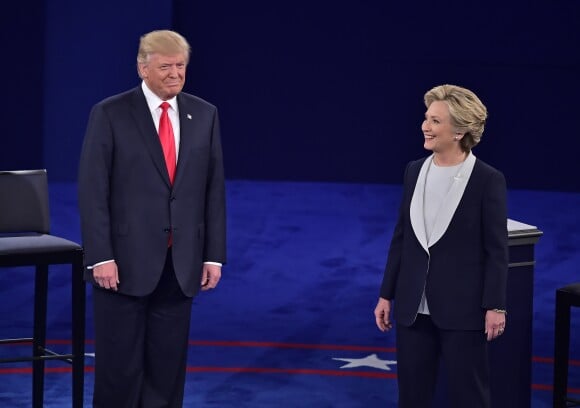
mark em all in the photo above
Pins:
pixel 296 299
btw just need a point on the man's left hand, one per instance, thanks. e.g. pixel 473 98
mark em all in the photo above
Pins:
pixel 210 276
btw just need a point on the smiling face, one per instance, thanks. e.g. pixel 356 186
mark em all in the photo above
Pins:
pixel 440 134
pixel 164 74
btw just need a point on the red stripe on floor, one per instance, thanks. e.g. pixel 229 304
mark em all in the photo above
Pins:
pixel 225 343
pixel 262 370
pixel 550 360
pixel 258 370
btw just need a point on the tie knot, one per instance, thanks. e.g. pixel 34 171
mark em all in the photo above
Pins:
pixel 164 106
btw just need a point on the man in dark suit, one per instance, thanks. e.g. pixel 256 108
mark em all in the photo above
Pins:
pixel 152 206
pixel 448 260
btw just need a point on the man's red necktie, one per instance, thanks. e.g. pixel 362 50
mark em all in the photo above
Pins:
pixel 167 141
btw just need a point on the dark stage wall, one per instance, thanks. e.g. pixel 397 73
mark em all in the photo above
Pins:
pixel 319 91
pixel 21 104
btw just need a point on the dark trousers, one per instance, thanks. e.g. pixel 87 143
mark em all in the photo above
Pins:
pixel 422 346
pixel 141 346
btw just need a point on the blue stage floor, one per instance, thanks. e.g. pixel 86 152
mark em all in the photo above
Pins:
pixel 296 299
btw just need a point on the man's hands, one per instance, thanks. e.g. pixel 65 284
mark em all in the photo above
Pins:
pixel 107 276
pixel 210 276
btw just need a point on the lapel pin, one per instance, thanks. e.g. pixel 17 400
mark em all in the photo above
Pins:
pixel 188 116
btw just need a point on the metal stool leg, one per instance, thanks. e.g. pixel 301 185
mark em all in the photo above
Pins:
pixel 561 349
pixel 78 328
pixel 39 334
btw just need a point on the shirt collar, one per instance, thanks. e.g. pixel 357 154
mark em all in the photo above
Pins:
pixel 153 101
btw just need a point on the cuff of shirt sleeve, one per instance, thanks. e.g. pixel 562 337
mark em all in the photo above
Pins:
pixel 100 263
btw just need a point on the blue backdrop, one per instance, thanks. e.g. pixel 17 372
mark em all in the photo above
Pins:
pixel 320 91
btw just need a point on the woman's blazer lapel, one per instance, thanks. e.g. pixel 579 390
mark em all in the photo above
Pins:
pixel 448 207
pixel 418 205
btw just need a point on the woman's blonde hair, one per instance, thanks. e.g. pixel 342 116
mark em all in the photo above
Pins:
pixel 468 114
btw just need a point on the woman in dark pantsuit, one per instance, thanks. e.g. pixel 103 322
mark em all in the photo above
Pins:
pixel 446 271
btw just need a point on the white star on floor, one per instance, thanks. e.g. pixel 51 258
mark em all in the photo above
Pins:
pixel 369 361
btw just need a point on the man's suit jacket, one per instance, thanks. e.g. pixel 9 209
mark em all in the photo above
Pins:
pixel 464 272
pixel 127 204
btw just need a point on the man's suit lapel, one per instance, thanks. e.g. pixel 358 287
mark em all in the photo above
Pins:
pixel 189 128
pixel 186 125
pixel 144 122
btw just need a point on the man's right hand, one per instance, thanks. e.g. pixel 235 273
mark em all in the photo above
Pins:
pixel 106 275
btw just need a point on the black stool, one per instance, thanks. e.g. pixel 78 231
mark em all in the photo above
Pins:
pixel 24 241
pixel 566 297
